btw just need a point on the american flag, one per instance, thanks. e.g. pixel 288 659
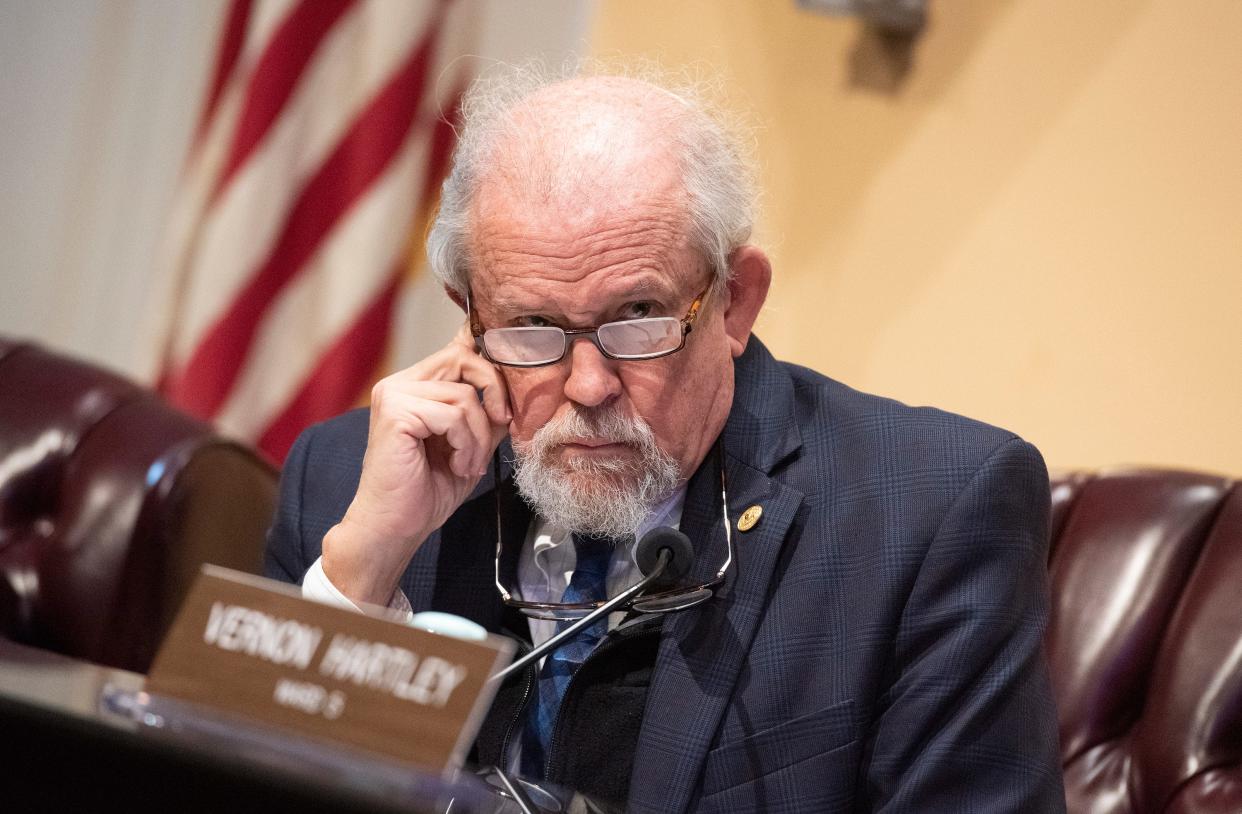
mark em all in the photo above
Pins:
pixel 321 145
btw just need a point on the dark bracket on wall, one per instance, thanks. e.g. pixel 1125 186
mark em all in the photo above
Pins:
pixel 884 52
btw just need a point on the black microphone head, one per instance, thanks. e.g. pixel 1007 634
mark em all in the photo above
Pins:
pixel 680 550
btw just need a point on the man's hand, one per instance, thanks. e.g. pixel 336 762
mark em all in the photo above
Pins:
pixel 429 442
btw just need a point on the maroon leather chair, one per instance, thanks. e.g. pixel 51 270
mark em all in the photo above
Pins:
pixel 109 502
pixel 1145 641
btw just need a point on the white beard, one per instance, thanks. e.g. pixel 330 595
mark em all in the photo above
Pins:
pixel 596 497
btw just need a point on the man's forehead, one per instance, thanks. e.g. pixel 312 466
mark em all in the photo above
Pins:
pixel 523 292
pixel 626 225
pixel 638 246
pixel 549 289
pixel 578 216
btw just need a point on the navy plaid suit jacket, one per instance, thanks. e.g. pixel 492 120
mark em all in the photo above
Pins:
pixel 877 646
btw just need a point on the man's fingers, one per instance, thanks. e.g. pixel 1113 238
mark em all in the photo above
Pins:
pixel 464 396
pixel 424 418
pixel 455 394
pixel 499 432
pixel 483 376
pixel 464 336
pixel 458 362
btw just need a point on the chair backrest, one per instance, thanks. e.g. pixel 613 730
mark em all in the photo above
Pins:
pixel 1145 640
pixel 110 500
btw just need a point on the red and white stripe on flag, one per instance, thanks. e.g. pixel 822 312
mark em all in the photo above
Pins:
pixel 321 145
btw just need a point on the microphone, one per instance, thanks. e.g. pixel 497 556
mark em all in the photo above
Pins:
pixel 664 556
pixel 680 551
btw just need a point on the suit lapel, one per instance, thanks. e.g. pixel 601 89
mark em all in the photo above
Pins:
pixel 703 649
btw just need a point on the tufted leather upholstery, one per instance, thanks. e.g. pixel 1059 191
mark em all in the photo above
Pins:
pixel 109 502
pixel 1145 641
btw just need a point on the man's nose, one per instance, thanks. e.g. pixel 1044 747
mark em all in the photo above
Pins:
pixel 593 377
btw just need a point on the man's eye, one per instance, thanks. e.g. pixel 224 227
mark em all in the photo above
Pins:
pixel 534 321
pixel 638 310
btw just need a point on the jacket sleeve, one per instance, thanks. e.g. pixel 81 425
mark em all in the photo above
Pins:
pixel 967 722
pixel 284 556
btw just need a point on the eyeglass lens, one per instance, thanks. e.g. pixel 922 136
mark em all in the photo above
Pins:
pixel 676 602
pixel 524 346
pixel 632 339
pixel 640 337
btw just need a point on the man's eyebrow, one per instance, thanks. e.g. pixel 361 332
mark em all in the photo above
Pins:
pixel 646 286
pixel 505 303
pixel 520 305
pixel 641 288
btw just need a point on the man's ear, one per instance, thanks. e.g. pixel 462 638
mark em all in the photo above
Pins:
pixel 748 289
pixel 460 299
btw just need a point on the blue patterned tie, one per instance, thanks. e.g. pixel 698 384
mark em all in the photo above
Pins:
pixel 588 584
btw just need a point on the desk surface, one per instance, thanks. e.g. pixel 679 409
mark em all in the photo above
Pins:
pixel 44 679
pixel 66 750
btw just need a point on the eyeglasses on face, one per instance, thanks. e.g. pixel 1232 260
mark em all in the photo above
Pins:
pixel 627 340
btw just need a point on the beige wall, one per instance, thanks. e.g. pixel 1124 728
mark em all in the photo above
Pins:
pixel 1041 228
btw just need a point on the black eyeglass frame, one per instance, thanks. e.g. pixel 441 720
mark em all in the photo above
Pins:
pixel 666 601
pixel 591 334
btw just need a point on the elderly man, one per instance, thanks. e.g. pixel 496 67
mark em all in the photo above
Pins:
pixel 873 574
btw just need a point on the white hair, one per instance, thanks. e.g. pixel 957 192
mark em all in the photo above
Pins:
pixel 714 157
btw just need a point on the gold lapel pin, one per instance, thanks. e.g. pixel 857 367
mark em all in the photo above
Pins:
pixel 749 518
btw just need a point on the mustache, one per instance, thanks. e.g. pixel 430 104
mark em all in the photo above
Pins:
pixel 606 424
